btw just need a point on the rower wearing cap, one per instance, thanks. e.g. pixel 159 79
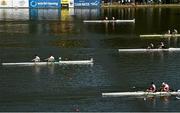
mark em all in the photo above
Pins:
pixel 36 59
pixel 113 18
pixel 50 59
pixel 164 87
pixel 152 88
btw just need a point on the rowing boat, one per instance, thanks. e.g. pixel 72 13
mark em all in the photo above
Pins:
pixel 77 62
pixel 148 50
pixel 160 35
pixel 109 21
pixel 141 93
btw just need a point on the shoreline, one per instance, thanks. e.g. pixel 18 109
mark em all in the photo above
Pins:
pixel 116 5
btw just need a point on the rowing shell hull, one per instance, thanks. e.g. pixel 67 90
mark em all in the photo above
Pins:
pixel 109 21
pixel 81 62
pixel 140 93
pixel 165 35
pixel 151 50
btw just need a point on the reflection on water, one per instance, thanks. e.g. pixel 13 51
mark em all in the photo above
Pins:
pixel 14 28
pixel 64 34
pixel 93 13
pixel 44 14
pixel 14 14
pixel 120 13
pixel 39 69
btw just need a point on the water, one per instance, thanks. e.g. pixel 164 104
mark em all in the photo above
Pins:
pixel 24 33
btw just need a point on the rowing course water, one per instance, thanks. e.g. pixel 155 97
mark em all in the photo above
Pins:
pixel 79 88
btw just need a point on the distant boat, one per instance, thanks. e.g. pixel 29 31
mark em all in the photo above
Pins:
pixel 70 62
pixel 141 93
pixel 151 50
pixel 109 21
pixel 160 35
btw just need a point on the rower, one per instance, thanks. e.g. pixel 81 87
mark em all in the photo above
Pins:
pixel 152 88
pixel 161 45
pixel 36 59
pixel 165 87
pixel 50 59
pixel 59 59
pixel 175 31
pixel 151 46
pixel 168 32
pixel 106 18
pixel 113 18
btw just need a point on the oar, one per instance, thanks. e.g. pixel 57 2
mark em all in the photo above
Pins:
pixel 178 96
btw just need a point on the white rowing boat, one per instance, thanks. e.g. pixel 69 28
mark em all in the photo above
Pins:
pixel 160 35
pixel 77 62
pixel 109 21
pixel 141 93
pixel 148 50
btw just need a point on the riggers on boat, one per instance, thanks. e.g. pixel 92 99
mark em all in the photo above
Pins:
pixel 109 21
pixel 150 50
pixel 71 62
pixel 160 35
pixel 141 93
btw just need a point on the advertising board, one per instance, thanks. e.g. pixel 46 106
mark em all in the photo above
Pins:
pixel 87 3
pixel 63 2
pixel 6 3
pixel 20 3
pixel 44 3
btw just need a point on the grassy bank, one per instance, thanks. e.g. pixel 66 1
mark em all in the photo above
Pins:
pixel 116 5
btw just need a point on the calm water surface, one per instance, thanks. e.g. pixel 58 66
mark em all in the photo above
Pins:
pixel 24 33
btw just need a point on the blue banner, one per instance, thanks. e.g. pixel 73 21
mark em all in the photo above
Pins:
pixel 87 3
pixel 44 3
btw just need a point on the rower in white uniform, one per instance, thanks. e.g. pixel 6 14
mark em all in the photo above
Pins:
pixel 151 46
pixel 50 59
pixel 175 31
pixel 165 87
pixel 36 59
pixel 161 46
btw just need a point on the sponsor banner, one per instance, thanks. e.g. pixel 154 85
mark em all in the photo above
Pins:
pixel 64 2
pixel 6 3
pixel 20 3
pixel 87 3
pixel 44 14
pixel 44 3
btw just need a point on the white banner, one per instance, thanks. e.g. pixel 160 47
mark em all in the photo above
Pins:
pixel 71 3
pixel 21 3
pixel 6 3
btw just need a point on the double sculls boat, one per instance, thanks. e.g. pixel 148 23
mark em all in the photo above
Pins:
pixel 109 21
pixel 160 35
pixel 70 62
pixel 148 50
pixel 141 93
